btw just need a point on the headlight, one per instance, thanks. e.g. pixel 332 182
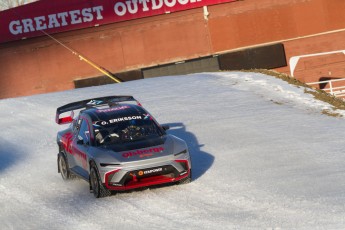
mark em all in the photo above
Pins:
pixel 183 152
pixel 107 164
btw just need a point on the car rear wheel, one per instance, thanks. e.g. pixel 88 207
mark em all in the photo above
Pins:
pixel 96 185
pixel 63 167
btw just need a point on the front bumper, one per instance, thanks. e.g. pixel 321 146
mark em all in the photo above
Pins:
pixel 122 179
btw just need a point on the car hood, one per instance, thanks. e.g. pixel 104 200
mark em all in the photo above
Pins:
pixel 137 144
pixel 140 150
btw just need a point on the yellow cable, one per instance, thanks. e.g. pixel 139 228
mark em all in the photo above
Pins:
pixel 102 70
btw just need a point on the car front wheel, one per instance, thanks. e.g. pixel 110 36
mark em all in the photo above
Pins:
pixel 97 187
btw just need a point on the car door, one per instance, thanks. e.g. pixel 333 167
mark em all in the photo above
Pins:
pixel 80 147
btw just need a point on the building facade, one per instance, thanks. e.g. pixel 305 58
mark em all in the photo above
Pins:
pixel 143 41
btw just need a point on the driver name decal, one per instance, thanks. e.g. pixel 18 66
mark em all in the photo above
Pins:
pixel 116 120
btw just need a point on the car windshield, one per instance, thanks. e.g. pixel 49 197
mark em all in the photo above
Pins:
pixel 126 131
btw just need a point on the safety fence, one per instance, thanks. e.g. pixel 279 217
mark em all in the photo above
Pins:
pixel 337 91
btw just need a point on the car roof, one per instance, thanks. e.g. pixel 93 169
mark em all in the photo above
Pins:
pixel 113 112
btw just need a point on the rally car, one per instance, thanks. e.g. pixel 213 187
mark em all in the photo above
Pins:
pixel 115 145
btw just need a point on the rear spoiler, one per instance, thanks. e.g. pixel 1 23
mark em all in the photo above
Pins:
pixel 88 103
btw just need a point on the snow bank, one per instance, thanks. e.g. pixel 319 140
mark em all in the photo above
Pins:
pixel 264 156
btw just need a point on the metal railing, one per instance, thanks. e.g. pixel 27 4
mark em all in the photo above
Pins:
pixel 338 91
pixel 294 60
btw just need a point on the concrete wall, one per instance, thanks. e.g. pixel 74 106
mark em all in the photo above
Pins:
pixel 40 65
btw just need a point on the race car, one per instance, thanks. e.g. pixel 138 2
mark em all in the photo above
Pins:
pixel 116 145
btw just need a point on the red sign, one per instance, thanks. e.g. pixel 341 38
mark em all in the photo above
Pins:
pixel 64 15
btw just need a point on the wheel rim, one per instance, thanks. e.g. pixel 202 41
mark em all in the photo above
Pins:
pixel 63 167
pixel 94 182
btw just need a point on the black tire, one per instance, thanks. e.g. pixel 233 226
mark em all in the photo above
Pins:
pixel 63 167
pixel 96 185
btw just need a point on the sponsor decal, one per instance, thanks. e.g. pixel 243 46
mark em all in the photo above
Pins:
pixel 66 140
pixel 146 155
pixel 181 174
pixel 116 184
pixel 94 102
pixel 147 116
pixel 61 19
pixel 60 16
pixel 152 171
pixel 149 171
pixel 113 109
pixel 81 156
pixel 143 152
pixel 135 6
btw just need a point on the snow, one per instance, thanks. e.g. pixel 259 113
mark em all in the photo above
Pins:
pixel 264 157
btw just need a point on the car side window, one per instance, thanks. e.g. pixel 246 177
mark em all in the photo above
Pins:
pixel 74 126
pixel 84 133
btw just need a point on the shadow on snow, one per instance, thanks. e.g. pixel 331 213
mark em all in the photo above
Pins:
pixel 201 161
pixel 8 155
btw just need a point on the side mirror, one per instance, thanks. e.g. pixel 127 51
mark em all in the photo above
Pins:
pixel 165 127
pixel 80 142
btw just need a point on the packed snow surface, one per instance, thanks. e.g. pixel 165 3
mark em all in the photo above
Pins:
pixel 264 157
